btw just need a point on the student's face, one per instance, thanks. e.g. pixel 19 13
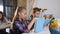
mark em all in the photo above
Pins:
pixel 37 14
pixel 0 16
pixel 23 14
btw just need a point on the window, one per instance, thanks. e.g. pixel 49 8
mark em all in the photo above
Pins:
pixel 1 8
pixel 9 8
pixel 1 5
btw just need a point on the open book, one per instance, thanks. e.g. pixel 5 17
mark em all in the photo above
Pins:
pixel 39 24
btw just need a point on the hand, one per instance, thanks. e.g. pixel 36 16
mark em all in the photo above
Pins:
pixel 34 19
pixel 31 23
pixel 11 27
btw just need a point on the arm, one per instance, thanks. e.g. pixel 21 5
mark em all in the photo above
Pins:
pixel 5 20
pixel 31 23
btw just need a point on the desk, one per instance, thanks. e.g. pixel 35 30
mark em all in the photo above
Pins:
pixel 46 31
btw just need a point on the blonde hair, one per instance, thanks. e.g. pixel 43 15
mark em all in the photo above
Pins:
pixel 19 9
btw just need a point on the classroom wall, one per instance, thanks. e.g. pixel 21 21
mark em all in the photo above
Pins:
pixel 21 3
pixel 52 6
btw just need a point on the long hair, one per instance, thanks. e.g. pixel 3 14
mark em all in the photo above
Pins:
pixel 16 16
pixel 19 10
pixel 3 18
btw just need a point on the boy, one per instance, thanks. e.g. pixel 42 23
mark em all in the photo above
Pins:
pixel 36 14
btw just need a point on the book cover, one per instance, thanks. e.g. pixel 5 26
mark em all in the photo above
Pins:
pixel 39 24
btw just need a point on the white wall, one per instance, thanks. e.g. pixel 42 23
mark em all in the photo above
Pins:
pixel 53 6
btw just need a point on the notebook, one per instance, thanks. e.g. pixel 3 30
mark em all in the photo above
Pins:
pixel 39 24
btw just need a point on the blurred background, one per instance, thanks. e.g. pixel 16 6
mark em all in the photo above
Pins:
pixel 9 6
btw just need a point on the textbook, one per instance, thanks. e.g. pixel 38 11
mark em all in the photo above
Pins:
pixel 39 25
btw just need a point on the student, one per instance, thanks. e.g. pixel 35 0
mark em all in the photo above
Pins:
pixel 2 20
pixel 47 20
pixel 36 14
pixel 20 24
